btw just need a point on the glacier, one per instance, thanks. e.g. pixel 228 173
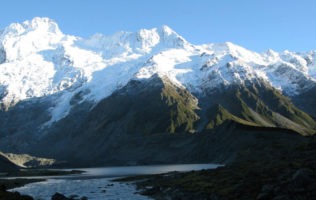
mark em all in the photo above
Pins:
pixel 38 60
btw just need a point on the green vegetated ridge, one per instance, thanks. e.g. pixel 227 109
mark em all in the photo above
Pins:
pixel 222 115
pixel 257 105
pixel 157 105
pixel 147 106
pixel 182 105
pixel 150 121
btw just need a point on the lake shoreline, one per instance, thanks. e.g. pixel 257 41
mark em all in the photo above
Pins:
pixel 257 178
pixel 7 184
pixel 14 179
pixel 98 182
pixel 271 173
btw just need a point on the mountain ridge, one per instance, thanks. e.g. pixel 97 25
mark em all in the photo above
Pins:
pixel 62 91
pixel 68 65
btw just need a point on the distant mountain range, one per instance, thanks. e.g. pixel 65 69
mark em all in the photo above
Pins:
pixel 144 97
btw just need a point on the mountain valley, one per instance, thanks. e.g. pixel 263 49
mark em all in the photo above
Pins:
pixel 149 97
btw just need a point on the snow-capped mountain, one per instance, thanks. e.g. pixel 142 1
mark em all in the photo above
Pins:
pixel 60 91
pixel 37 60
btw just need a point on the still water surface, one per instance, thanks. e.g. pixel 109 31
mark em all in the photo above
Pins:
pixel 96 183
pixel 142 170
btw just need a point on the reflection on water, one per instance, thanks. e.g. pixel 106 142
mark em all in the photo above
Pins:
pixel 93 189
pixel 96 183
pixel 142 170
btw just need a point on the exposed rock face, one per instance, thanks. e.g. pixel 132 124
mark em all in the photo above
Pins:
pixel 154 121
pixel 144 97
pixel 27 161
pixel 2 55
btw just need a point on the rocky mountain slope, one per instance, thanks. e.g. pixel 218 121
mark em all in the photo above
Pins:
pixel 77 99
pixel 27 161
pixel 7 165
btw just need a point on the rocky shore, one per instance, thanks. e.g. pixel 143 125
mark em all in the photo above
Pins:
pixel 273 168
pixel 263 175
pixel 6 184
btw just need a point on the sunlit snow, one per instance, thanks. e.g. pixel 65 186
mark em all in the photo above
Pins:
pixel 39 60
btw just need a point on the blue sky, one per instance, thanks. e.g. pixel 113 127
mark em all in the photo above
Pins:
pixel 254 24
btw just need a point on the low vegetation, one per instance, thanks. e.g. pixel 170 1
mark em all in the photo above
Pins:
pixel 285 176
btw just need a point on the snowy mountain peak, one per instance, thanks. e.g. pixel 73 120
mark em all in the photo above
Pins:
pixel 20 40
pixel 141 42
pixel 163 35
pixel 38 60
pixel 171 38
pixel 167 30
pixel 37 24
